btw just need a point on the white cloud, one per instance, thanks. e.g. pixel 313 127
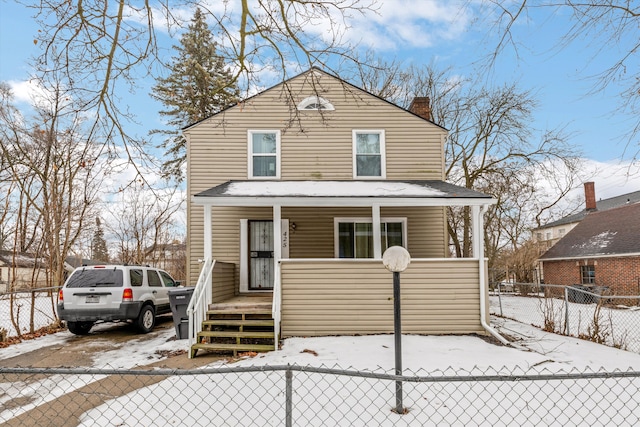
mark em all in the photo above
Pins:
pixel 409 23
pixel 612 178
pixel 29 92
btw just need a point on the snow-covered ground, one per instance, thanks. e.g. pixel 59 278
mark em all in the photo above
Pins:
pixel 617 326
pixel 43 313
pixel 320 399
pixel 255 394
pixel 329 399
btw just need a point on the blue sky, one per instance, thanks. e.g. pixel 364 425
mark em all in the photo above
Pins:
pixel 423 32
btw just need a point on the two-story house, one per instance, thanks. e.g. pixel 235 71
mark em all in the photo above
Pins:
pixel 294 195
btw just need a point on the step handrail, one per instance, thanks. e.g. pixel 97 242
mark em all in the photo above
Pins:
pixel 200 300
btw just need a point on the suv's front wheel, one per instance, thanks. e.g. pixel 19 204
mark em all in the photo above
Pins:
pixel 146 319
pixel 79 328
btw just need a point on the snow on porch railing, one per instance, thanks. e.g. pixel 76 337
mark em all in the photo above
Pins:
pixel 202 297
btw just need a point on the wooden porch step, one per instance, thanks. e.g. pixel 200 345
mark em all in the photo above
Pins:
pixel 231 347
pixel 240 311
pixel 236 334
pixel 238 322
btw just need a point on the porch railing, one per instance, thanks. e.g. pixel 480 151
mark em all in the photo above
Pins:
pixel 202 297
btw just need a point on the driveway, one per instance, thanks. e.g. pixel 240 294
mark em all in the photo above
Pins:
pixel 108 345
pixel 85 351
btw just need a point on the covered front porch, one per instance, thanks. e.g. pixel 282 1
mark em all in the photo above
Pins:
pixel 329 294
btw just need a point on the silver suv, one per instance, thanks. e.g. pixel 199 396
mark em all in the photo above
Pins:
pixel 114 292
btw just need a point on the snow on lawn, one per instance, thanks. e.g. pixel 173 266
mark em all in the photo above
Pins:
pixel 325 399
pixel 321 399
pixel 43 315
pixel 616 327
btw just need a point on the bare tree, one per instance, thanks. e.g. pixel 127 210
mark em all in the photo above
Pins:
pixel 48 159
pixel 605 25
pixel 147 224
pixel 491 148
pixel 51 160
pixel 103 47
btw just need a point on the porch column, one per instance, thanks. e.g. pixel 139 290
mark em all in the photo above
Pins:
pixel 208 239
pixel 277 256
pixel 375 223
pixel 277 233
pixel 477 233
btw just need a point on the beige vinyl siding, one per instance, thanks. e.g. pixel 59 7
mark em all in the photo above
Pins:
pixel 355 297
pixel 223 281
pixel 314 233
pixel 314 146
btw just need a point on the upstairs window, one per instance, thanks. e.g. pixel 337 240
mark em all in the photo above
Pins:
pixel 264 154
pixel 316 103
pixel 368 154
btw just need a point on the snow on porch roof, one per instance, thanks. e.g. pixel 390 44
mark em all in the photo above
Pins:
pixel 340 193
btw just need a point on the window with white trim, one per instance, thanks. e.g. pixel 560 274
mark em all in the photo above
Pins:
pixel 264 154
pixel 316 103
pixel 368 154
pixel 353 237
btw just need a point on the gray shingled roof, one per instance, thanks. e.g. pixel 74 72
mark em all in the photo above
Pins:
pixel 611 232
pixel 601 205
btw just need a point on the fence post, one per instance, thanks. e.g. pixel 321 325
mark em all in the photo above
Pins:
pixel 289 397
pixel 566 310
pixel 500 300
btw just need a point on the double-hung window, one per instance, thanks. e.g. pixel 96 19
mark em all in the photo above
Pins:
pixel 264 154
pixel 368 154
pixel 354 236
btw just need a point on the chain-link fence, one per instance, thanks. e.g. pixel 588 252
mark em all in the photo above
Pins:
pixel 311 396
pixel 579 311
pixel 24 312
pixel 17 284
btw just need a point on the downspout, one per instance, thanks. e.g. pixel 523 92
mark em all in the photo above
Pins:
pixel 478 211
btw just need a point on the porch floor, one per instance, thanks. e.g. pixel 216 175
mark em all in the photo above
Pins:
pixel 251 302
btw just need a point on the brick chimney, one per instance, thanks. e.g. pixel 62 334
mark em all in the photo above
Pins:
pixel 590 196
pixel 421 106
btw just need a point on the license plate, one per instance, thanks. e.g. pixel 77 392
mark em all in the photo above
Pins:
pixel 92 299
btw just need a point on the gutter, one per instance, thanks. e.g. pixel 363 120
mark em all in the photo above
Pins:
pixel 483 295
pixel 483 311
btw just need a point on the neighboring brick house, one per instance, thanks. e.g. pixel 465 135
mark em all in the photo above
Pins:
pixel 602 250
pixel 550 233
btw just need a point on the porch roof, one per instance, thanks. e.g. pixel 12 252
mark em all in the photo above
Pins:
pixel 340 193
